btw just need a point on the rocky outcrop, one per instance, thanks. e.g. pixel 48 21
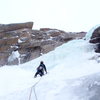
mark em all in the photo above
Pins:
pixel 95 38
pixel 20 43
pixel 11 27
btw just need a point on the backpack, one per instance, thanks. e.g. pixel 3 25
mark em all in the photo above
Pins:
pixel 40 68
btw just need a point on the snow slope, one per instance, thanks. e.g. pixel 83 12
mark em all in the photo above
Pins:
pixel 72 75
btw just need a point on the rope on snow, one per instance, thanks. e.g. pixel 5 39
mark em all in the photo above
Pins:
pixel 34 90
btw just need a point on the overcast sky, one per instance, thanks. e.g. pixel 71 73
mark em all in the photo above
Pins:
pixel 68 15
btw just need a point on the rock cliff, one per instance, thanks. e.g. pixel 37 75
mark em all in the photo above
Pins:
pixel 20 43
pixel 95 38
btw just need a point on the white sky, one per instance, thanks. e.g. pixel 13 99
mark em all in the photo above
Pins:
pixel 68 15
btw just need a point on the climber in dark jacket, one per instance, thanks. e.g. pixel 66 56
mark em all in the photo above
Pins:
pixel 41 69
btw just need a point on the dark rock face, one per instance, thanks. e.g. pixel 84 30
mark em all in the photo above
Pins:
pixel 95 38
pixel 19 43
pixel 96 33
pixel 11 27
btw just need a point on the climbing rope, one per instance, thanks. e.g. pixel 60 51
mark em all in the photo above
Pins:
pixel 35 94
pixel 34 90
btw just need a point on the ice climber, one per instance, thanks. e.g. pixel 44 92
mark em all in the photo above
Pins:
pixel 41 69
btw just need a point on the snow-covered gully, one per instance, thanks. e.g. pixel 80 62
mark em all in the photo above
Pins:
pixel 72 75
